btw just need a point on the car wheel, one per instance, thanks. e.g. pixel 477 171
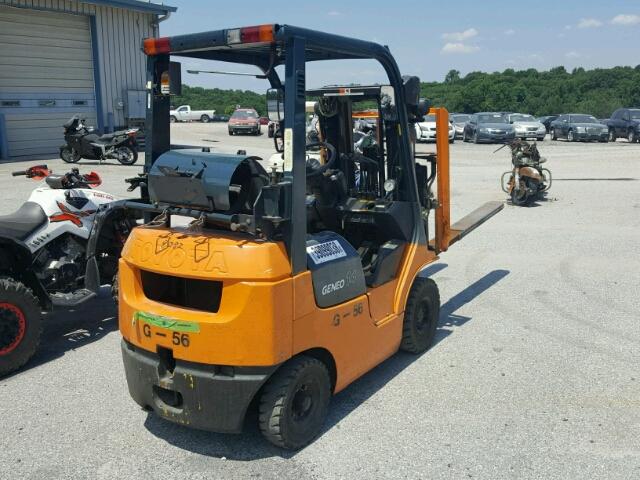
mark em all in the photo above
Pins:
pixel 541 139
pixel 612 135
pixel 205 119
pixel 632 137
pixel 452 140
pixel 230 132
pixel 552 132
pixel 475 137
pixel 173 119
pixel 570 136
pixel 294 403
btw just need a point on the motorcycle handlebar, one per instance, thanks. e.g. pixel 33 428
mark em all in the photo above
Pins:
pixel 19 173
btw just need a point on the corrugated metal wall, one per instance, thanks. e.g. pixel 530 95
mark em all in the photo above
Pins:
pixel 119 33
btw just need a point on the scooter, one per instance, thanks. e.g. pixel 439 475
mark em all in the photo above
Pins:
pixel 57 249
pixel 527 180
pixel 83 143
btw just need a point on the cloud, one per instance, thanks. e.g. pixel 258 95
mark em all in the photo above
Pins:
pixel 460 36
pixel 626 19
pixel 511 31
pixel 334 13
pixel 589 23
pixel 572 54
pixel 459 47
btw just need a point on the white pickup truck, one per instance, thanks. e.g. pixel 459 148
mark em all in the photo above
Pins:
pixel 184 114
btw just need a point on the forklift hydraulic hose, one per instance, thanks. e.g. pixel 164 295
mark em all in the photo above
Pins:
pixel 330 161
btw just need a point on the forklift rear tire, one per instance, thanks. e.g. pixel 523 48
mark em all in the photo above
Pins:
pixel 421 316
pixel 20 325
pixel 294 403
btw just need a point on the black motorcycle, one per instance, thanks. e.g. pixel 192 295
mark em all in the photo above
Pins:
pixel 83 143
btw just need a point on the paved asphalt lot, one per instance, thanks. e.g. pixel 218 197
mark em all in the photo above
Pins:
pixel 535 374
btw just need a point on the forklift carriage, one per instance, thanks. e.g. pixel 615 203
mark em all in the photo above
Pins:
pixel 291 281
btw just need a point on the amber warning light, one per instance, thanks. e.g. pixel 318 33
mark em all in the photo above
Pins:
pixel 156 46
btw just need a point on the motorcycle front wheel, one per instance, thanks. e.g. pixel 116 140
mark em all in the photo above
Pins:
pixel 126 155
pixel 69 155
pixel 519 197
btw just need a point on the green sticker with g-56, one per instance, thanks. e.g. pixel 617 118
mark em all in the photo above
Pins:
pixel 168 323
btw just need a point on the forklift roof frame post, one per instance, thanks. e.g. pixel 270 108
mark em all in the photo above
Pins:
pixel 262 46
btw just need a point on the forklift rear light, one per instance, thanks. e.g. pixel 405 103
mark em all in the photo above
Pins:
pixel 156 46
pixel 257 34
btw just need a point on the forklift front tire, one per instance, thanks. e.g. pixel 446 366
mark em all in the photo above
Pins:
pixel 421 316
pixel 294 403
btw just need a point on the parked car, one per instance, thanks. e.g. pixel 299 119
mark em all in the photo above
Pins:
pixel 546 121
pixel 184 114
pixel 624 123
pixel 488 127
pixel 426 130
pixel 578 127
pixel 220 118
pixel 244 120
pixel 527 126
pixel 459 120
pixel 264 120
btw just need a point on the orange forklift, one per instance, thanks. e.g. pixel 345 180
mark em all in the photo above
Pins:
pixel 290 281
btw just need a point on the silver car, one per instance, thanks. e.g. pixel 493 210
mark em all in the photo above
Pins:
pixel 459 120
pixel 527 126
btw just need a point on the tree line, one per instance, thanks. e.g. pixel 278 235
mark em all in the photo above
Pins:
pixel 222 101
pixel 597 92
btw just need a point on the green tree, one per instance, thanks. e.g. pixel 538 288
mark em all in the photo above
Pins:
pixel 452 77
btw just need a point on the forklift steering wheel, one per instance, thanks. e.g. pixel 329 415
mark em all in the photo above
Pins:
pixel 313 166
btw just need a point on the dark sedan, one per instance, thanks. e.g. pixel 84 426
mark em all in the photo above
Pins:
pixel 488 127
pixel 577 127
pixel 546 121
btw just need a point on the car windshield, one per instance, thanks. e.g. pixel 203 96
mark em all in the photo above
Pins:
pixel 583 119
pixel 460 118
pixel 244 114
pixel 522 118
pixel 635 114
pixel 491 118
pixel 429 118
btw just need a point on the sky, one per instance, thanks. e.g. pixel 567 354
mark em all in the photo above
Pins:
pixel 428 38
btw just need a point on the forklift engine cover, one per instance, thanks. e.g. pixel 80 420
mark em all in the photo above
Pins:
pixel 336 269
pixel 206 181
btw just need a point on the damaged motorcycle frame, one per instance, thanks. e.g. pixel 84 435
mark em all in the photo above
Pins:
pixel 527 180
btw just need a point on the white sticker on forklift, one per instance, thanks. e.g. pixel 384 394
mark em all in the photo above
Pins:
pixel 288 150
pixel 325 252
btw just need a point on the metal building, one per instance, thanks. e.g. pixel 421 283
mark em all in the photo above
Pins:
pixel 60 57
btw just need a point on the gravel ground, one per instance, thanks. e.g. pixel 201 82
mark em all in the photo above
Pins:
pixel 535 373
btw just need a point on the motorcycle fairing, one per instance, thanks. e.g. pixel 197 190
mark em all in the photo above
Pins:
pixel 62 216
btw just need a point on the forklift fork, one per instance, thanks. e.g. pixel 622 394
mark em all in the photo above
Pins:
pixel 445 233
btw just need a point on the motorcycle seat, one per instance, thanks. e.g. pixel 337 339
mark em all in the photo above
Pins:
pixel 106 137
pixel 21 223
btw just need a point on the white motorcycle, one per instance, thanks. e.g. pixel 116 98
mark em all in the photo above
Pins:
pixel 57 249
